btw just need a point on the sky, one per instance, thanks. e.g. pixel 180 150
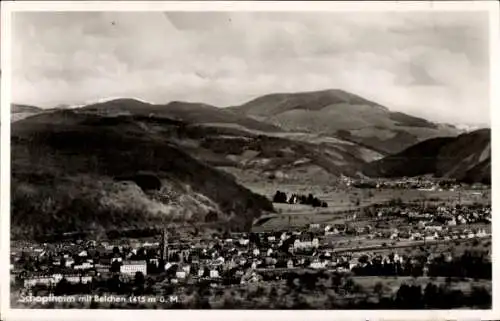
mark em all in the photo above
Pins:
pixel 428 64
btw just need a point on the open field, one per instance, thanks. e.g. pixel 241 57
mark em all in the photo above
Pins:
pixel 456 246
pixel 346 199
pixel 340 201
pixel 281 221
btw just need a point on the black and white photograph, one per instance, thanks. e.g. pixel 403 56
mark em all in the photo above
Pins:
pixel 239 159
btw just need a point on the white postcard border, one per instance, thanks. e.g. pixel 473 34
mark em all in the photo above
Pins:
pixel 122 315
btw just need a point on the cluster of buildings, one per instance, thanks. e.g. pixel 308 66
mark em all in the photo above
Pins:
pixel 431 233
pixel 419 232
pixel 430 184
pixel 449 215
pixel 238 258
pixel 235 257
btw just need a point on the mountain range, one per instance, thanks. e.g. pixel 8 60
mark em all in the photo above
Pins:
pixel 72 171
pixel 465 158
pixel 92 167
pixel 19 112
pixel 341 114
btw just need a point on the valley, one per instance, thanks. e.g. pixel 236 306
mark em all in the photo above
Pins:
pixel 121 172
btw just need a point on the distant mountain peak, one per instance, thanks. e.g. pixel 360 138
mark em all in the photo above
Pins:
pixel 339 113
pixel 110 99
pixel 467 128
pixel 179 103
pixel 309 100
pixel 466 157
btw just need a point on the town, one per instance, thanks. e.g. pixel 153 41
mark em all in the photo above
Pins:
pixel 388 239
pixel 331 158
pixel 422 183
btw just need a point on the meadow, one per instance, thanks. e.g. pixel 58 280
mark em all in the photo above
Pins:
pixel 344 199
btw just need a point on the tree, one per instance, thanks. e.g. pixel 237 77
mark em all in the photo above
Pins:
pixel 402 296
pixel 228 301
pixel 211 216
pixel 63 287
pixel 358 288
pixel 310 199
pixel 409 297
pixel 280 197
pixel 480 297
pixel 254 239
pixel 363 259
pixel 139 279
pixel 455 299
pixel 201 296
pixel 430 295
pixel 378 289
pixel 115 284
pixel 141 253
pixel 309 281
pixel 94 304
pixel 115 266
pixel 259 292
pixel 349 285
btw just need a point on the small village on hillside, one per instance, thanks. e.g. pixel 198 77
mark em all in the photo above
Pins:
pixel 323 159
pixel 382 240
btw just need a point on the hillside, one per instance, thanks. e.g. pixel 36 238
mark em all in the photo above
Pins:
pixel 18 108
pixel 345 115
pixel 250 149
pixel 74 171
pixel 466 157
pixel 185 111
pixel 19 111
pixel 300 159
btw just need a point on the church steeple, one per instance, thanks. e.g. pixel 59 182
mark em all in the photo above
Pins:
pixel 164 246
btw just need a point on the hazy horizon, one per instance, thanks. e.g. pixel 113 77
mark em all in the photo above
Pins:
pixel 432 65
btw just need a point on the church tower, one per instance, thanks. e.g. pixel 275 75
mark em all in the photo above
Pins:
pixel 164 246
